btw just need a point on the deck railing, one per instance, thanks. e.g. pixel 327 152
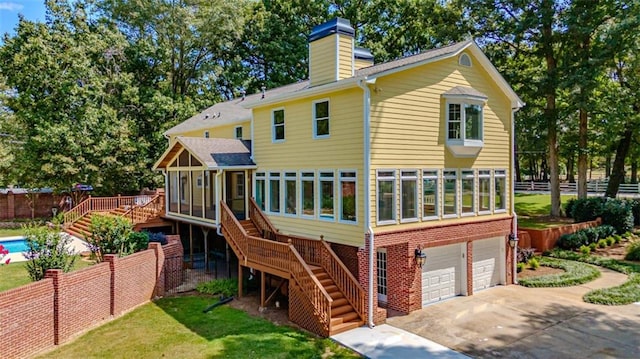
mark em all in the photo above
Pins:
pixel 135 206
pixel 343 278
pixel 233 232
pixel 145 208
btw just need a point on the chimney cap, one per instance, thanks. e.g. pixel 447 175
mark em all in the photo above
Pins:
pixel 336 25
pixel 362 54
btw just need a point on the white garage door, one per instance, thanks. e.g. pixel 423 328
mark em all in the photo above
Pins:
pixel 488 262
pixel 442 273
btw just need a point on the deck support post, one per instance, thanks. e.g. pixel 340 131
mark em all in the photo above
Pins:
pixel 239 280
pixel 262 288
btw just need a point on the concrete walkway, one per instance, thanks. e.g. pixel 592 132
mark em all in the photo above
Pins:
pixel 385 341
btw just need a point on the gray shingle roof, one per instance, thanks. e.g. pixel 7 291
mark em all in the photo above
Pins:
pixel 466 91
pixel 219 152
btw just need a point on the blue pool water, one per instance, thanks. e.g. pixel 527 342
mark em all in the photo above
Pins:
pixel 14 245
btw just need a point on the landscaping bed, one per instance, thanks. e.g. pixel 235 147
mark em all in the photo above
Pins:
pixel 570 273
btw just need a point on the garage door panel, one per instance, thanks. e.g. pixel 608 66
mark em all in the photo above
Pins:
pixel 441 274
pixel 486 265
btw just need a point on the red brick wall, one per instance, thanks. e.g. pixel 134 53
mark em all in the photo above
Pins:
pixel 37 316
pixel 17 205
pixel 27 319
pixel 348 255
pixel 86 301
pixel 545 239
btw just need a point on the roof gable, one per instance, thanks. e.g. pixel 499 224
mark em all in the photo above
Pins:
pixel 211 152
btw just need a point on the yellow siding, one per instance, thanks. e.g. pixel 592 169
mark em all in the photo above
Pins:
pixel 322 55
pixel 408 127
pixel 345 69
pixel 224 131
pixel 342 150
pixel 359 64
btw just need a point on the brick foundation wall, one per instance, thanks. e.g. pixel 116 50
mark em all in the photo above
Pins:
pixel 545 239
pixel 40 315
pixel 348 255
pixel 27 319
pixel 14 206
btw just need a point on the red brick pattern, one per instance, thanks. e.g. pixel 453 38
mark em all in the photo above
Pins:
pixel 17 205
pixel 27 319
pixel 348 255
pixel 40 315
pixel 545 239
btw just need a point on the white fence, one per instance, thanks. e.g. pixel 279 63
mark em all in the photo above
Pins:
pixel 592 187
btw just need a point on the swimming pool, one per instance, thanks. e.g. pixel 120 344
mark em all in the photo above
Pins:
pixel 14 244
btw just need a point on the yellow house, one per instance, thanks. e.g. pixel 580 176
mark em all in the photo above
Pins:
pixel 367 187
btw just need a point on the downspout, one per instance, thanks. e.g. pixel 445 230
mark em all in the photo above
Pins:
pixel 513 206
pixel 218 189
pixel 367 190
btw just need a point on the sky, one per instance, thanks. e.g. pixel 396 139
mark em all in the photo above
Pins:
pixel 9 9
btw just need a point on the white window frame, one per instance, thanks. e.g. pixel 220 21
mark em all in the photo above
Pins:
pixel 206 134
pixel 465 175
pixel 273 125
pixel 305 178
pixel 461 60
pixel 486 175
pixel 499 173
pixel 409 175
pixel 321 179
pixel 273 175
pixel 235 132
pixel 446 176
pixel 463 102
pixel 260 176
pixel 429 174
pixel 394 196
pixel 342 179
pixel 315 119
pixel 381 255
pixel 290 176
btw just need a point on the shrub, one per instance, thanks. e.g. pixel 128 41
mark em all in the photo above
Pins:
pixel 585 249
pixel 617 238
pixel 591 235
pixel 48 249
pixel 633 251
pixel 617 213
pixel 602 243
pixel 138 241
pixel 524 254
pixel 610 241
pixel 635 210
pixel 586 209
pixel 110 235
pixel 520 267
pixel 593 246
pixel 226 287
pixel 534 263
pixel 569 241
pixel 605 231
pixel 158 237
pixel 568 207
pixel 575 273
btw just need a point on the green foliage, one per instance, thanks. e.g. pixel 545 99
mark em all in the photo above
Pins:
pixel 534 263
pixel 591 237
pixel 616 265
pixel 633 251
pixel 610 241
pixel 605 231
pixel 568 207
pixel 575 273
pixel 47 249
pixel 602 243
pixel 113 235
pixel 586 209
pixel 226 287
pixel 525 254
pixel 585 249
pixel 626 293
pixel 618 214
pixel 635 210
pixel 593 246
pixel 520 267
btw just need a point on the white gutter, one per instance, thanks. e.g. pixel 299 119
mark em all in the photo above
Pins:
pixel 367 190
pixel 513 205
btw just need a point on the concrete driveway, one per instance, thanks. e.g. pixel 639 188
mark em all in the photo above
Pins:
pixel 519 322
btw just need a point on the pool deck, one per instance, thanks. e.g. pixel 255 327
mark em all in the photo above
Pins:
pixel 77 245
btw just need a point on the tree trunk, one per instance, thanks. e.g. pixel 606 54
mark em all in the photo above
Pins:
pixel 634 171
pixel 516 163
pixel 617 175
pixel 570 168
pixel 607 166
pixel 582 154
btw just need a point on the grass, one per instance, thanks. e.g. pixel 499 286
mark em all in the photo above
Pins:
pixel 177 328
pixel 11 232
pixel 575 273
pixel 532 205
pixel 626 293
pixel 15 274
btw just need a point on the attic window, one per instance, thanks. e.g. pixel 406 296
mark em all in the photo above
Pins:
pixel 464 60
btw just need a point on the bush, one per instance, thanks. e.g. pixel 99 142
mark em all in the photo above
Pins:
pixel 617 238
pixel 520 267
pixel 593 246
pixel 617 213
pixel 633 251
pixel 586 209
pixel 524 254
pixel 575 273
pixel 534 263
pixel 605 231
pixel 138 241
pixel 48 249
pixel 226 287
pixel 158 237
pixel 602 243
pixel 591 235
pixel 570 241
pixel 610 241
pixel 635 210
pixel 568 207
pixel 585 249
pixel 111 235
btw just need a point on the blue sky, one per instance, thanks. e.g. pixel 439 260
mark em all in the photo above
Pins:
pixel 9 9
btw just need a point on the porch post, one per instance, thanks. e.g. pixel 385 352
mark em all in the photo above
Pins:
pixel 239 280
pixel 205 232
pixel 262 289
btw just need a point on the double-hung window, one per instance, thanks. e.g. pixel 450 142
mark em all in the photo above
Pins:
pixel 290 193
pixel 468 192
pixel 465 121
pixel 450 200
pixel 500 189
pixel 274 192
pixel 260 190
pixel 348 196
pixel 327 197
pixel 277 125
pixel 308 194
pixel 238 132
pixel 321 119
pixel 430 198
pixel 386 196
pixel 409 196
pixel 484 191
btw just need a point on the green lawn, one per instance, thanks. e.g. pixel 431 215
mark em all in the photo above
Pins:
pixel 177 328
pixel 536 204
pixel 11 232
pixel 15 274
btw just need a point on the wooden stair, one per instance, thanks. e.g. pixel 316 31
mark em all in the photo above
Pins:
pixel 343 316
pixel 250 228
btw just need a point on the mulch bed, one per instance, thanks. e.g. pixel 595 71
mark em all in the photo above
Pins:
pixel 528 272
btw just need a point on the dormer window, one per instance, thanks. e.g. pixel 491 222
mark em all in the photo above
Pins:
pixel 464 121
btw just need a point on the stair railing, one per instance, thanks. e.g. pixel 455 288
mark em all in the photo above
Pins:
pixel 258 218
pixel 77 212
pixel 142 213
pixel 343 278
pixel 233 231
